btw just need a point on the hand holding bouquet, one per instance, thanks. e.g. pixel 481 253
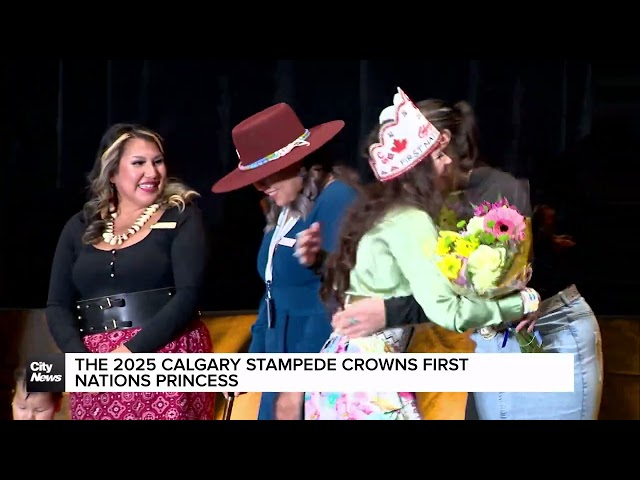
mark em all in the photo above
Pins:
pixel 488 256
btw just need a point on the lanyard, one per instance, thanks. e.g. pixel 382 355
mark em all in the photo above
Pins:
pixel 279 232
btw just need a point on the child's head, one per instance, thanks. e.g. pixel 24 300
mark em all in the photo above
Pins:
pixel 35 405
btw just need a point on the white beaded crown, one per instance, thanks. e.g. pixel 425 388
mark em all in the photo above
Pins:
pixel 406 138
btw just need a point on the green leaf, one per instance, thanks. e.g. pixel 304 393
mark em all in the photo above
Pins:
pixel 461 224
pixel 491 224
pixel 487 238
pixel 503 238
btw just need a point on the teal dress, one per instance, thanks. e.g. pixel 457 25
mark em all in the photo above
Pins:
pixel 299 322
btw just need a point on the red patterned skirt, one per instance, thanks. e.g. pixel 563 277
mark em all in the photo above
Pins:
pixel 146 406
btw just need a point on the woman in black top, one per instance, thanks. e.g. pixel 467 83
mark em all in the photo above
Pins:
pixel 127 274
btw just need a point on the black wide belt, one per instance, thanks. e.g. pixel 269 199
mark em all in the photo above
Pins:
pixel 121 311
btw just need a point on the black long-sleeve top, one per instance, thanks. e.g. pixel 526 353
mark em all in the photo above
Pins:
pixel 167 257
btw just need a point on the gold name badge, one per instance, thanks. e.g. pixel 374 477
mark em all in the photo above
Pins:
pixel 164 225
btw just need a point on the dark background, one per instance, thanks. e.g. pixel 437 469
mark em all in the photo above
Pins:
pixel 567 126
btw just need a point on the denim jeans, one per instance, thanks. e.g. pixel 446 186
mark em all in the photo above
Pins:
pixel 571 329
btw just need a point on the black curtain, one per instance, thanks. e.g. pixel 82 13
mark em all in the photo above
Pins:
pixel 56 110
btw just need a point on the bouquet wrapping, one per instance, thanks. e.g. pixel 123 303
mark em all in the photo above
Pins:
pixel 489 257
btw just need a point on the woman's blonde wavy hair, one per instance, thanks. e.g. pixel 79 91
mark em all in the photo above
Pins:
pixel 102 192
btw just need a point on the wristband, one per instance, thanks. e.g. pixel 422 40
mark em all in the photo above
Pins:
pixel 530 300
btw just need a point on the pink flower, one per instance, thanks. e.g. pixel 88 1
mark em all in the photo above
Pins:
pixel 482 209
pixel 311 410
pixel 503 202
pixel 360 411
pixel 407 396
pixel 342 407
pixel 506 221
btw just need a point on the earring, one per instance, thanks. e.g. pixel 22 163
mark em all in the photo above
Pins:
pixel 112 199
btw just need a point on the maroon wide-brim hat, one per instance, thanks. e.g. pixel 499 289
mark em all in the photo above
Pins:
pixel 270 141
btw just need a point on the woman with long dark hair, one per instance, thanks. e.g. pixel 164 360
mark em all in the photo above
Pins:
pixel 564 319
pixel 387 248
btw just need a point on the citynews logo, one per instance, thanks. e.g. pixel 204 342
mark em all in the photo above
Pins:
pixel 45 373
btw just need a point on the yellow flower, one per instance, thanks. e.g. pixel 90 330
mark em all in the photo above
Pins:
pixel 450 265
pixel 464 247
pixel 442 248
pixel 448 234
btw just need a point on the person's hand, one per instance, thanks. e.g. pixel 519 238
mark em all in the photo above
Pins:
pixel 360 319
pixel 228 395
pixel 528 322
pixel 308 245
pixel 531 305
pixel 121 349
pixel 289 406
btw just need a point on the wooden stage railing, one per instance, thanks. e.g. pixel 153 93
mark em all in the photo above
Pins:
pixel 24 332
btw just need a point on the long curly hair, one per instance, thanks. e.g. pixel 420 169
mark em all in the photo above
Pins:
pixel 415 188
pixel 102 193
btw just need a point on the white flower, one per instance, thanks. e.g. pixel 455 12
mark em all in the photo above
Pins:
pixel 476 224
pixel 485 266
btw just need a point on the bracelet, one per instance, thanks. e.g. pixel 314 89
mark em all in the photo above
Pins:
pixel 531 300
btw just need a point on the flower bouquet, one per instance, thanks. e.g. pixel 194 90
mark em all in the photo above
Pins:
pixel 489 257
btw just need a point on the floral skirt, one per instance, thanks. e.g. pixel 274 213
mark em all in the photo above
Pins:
pixel 146 406
pixel 363 406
